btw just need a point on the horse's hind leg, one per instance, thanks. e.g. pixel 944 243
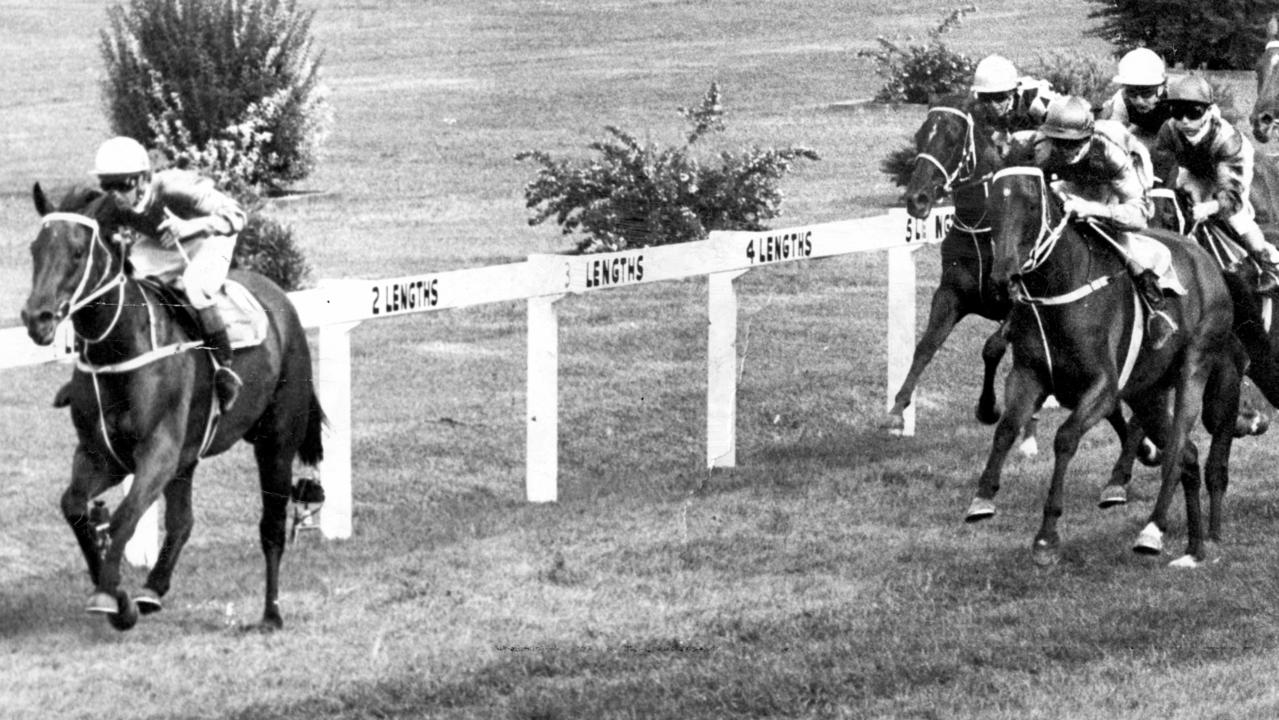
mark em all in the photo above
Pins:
pixel 88 480
pixel 275 472
pixel 178 521
pixel 942 317
pixel 1131 436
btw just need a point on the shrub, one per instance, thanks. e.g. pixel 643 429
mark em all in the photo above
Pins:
pixel 229 85
pixel 266 246
pixel 636 195
pixel 1224 34
pixel 1075 73
pixel 919 72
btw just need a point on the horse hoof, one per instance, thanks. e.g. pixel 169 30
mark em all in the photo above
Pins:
pixel 1149 454
pixel 988 416
pixel 1150 541
pixel 1251 422
pixel 893 421
pixel 1113 495
pixel 103 604
pixel 148 601
pixel 1028 447
pixel 1185 561
pixel 1044 553
pixel 980 509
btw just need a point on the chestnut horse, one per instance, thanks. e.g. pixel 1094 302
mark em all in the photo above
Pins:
pixel 143 404
pixel 1076 328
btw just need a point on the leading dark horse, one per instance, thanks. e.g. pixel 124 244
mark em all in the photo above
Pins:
pixel 142 397
pixel 955 156
pixel 1076 332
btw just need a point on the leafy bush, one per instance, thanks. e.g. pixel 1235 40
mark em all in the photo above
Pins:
pixel 636 195
pixel 918 72
pixel 266 246
pixel 1223 34
pixel 1075 73
pixel 231 86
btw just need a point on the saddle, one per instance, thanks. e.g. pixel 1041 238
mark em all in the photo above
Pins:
pixel 246 319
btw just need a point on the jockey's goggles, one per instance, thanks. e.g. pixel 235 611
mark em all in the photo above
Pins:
pixel 1187 111
pixel 996 97
pixel 118 183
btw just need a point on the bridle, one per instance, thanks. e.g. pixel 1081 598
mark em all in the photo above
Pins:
pixel 84 296
pixel 962 175
pixel 1048 236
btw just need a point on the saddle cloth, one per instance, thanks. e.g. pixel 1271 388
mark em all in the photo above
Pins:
pixel 246 320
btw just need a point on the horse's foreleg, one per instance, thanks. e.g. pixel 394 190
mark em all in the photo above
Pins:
pixel 992 352
pixel 178 521
pixel 88 480
pixel 1023 392
pixel 1098 402
pixel 275 473
pixel 942 318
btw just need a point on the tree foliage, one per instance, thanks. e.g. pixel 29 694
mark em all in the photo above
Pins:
pixel 915 73
pixel 1223 34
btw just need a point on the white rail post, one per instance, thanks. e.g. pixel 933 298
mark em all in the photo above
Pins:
pixel 901 327
pixel 542 440
pixel 334 391
pixel 721 370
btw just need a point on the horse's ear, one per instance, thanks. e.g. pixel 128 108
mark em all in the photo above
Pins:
pixel 1272 28
pixel 41 200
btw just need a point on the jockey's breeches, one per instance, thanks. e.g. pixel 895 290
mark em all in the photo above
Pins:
pixel 201 278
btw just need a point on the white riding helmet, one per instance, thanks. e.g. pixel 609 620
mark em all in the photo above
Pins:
pixel 1141 67
pixel 994 74
pixel 121 156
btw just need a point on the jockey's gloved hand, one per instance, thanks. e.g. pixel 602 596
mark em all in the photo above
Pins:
pixel 175 229
pixel 1081 208
pixel 1204 210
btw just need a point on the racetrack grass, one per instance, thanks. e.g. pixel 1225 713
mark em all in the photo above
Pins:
pixel 828 575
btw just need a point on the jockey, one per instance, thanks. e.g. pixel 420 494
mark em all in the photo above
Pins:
pixel 1214 165
pixel 1138 104
pixel 1103 173
pixel 188 231
pixel 1006 100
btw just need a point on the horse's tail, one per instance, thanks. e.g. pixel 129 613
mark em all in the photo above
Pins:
pixel 311 452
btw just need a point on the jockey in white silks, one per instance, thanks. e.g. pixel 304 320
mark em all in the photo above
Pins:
pixel 1103 173
pixel 187 230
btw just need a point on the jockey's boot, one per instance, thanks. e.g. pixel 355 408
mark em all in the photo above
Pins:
pixel 1159 325
pixel 1267 275
pixel 225 381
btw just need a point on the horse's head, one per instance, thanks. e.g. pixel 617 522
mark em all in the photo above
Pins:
pixel 1266 108
pixel 69 257
pixel 1022 215
pixel 945 153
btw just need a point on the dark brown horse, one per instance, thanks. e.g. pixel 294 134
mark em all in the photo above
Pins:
pixel 1076 330
pixel 956 156
pixel 142 397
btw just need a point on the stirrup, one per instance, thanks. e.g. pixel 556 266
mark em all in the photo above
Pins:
pixel 1160 327
pixel 227 385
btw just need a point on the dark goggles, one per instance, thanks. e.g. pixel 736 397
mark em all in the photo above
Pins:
pixel 1187 111
pixel 1141 92
pixel 119 184
pixel 998 97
